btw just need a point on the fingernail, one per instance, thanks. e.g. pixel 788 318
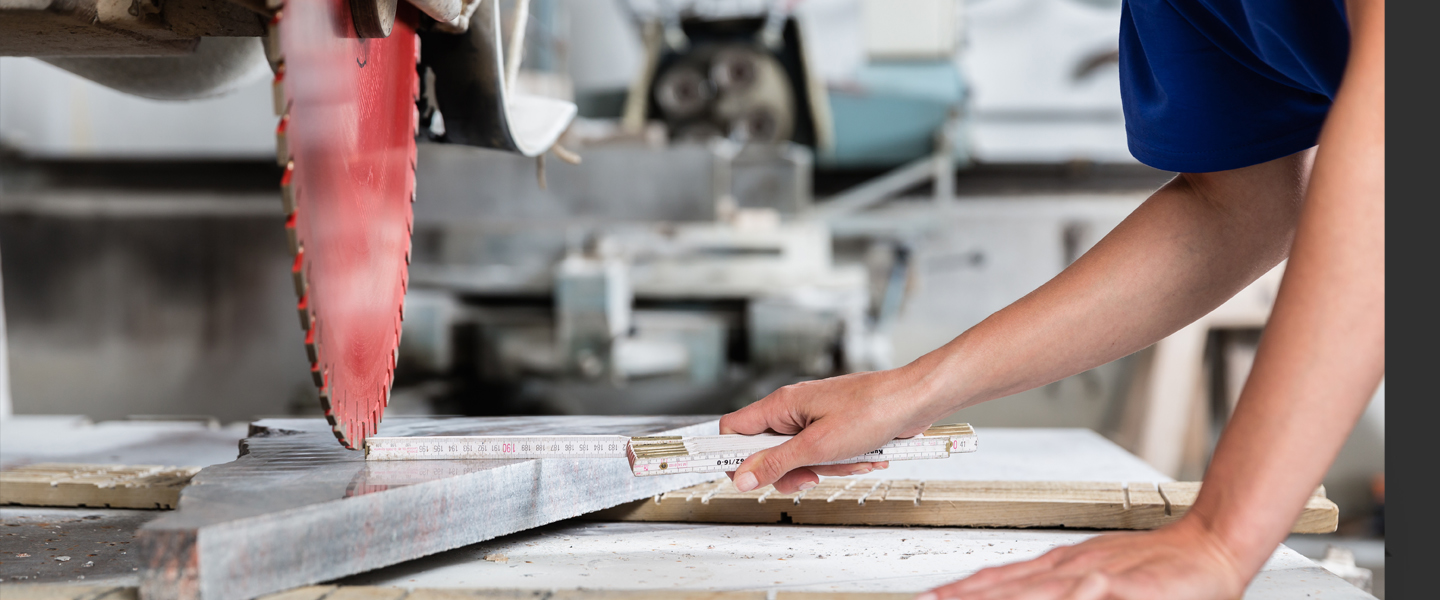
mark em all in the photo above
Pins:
pixel 884 465
pixel 861 471
pixel 807 485
pixel 745 482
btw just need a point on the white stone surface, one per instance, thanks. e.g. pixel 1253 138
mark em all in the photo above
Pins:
pixel 28 439
pixel 768 557
pixel 597 555
pixel 1031 454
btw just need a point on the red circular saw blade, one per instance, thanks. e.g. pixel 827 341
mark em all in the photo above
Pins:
pixel 347 140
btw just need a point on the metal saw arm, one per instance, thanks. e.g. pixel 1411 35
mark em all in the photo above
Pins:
pixel 473 93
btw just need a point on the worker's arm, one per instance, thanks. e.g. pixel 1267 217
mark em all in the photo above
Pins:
pixel 1319 362
pixel 1192 245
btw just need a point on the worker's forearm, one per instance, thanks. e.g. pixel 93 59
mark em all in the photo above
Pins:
pixel 1323 352
pixel 1192 245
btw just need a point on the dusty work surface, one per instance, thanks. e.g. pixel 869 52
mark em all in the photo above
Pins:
pixel 762 558
pixel 297 508
pixel 661 556
pixel 72 545
pixel 671 556
pixel 99 543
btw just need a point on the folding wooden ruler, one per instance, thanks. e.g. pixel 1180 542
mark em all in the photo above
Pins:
pixel 654 455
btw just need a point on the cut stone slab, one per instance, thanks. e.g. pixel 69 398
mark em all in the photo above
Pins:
pixel 297 508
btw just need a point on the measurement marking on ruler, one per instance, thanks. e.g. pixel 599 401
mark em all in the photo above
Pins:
pixel 655 455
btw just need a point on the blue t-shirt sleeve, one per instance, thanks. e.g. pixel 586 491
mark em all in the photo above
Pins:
pixel 1223 84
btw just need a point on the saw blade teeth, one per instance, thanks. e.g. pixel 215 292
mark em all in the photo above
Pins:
pixel 303 308
pixel 277 90
pixel 316 376
pixel 338 429
pixel 287 188
pixel 273 48
pixel 282 143
pixel 297 273
pixel 291 235
pixel 310 350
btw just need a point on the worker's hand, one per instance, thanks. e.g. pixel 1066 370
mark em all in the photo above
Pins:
pixel 831 419
pixel 1181 561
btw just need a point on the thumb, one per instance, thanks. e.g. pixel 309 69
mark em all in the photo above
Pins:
pixel 749 420
pixel 768 466
pixel 771 413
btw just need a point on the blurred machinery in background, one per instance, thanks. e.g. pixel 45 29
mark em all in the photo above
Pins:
pixel 748 71
pixel 649 278
pixel 683 265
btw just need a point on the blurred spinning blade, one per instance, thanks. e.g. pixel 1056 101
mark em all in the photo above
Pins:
pixel 347 141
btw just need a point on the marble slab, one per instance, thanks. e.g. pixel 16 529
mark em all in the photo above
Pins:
pixel 297 508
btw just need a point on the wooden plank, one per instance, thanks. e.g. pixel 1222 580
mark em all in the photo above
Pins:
pixel 108 486
pixel 309 592
pixel 1320 515
pixel 367 593
pixel 65 591
pixel 943 503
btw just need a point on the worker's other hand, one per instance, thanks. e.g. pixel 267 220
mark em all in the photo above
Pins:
pixel 831 419
pixel 1183 561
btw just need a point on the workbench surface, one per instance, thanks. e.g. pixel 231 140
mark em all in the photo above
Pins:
pixel 635 556
pixel 600 555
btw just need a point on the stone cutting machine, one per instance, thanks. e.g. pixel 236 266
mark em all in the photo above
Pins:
pixel 355 82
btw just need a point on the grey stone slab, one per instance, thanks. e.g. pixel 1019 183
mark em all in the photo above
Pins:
pixel 296 508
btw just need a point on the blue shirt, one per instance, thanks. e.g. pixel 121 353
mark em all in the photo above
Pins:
pixel 1213 85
